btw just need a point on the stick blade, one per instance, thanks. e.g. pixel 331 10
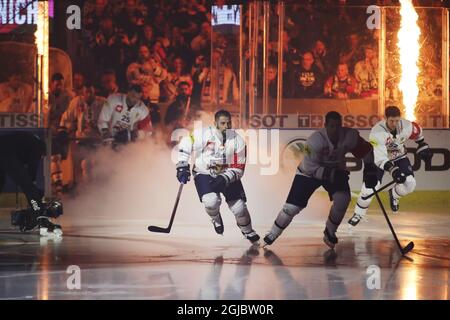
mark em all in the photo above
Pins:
pixel 158 229
pixel 408 248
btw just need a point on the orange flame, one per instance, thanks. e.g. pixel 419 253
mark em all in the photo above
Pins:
pixel 42 44
pixel 408 44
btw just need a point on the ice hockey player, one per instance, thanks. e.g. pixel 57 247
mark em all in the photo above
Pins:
pixel 388 138
pixel 80 121
pixel 219 163
pixel 20 158
pixel 323 165
pixel 124 117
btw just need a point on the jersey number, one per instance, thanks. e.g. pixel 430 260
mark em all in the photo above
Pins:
pixel 125 118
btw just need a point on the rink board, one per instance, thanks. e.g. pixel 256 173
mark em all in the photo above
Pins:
pixel 433 177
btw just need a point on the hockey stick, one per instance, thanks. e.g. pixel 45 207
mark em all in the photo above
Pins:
pixel 410 245
pixel 379 190
pixel 167 230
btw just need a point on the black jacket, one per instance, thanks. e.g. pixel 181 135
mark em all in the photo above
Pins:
pixel 24 147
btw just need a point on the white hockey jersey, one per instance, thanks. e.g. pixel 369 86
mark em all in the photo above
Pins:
pixel 212 155
pixel 82 117
pixel 390 146
pixel 116 116
pixel 320 153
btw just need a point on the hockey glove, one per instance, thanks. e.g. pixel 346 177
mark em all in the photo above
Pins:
pixel 121 136
pixel 424 152
pixel 183 172
pixel 388 166
pixel 219 183
pixel 397 175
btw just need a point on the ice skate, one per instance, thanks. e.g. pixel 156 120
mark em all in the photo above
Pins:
pixel 218 224
pixel 355 219
pixel 269 238
pixel 252 236
pixel 48 228
pixel 329 239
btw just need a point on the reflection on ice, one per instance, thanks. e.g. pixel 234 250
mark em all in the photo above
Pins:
pixel 124 261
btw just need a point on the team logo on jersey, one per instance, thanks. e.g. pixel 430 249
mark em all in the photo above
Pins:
pixel 392 146
pixel 119 108
pixel 388 141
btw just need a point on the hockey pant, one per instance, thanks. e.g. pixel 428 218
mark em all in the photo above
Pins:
pixel 212 202
pixel 301 191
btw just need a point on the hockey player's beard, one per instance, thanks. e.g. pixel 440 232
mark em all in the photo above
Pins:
pixel 224 134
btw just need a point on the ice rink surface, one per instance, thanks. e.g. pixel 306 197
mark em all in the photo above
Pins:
pixel 120 259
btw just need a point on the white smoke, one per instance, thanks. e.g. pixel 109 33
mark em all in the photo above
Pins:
pixel 138 184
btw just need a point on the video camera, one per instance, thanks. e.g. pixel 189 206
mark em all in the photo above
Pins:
pixel 26 219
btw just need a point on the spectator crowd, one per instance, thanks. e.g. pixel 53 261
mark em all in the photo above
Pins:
pixel 169 50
